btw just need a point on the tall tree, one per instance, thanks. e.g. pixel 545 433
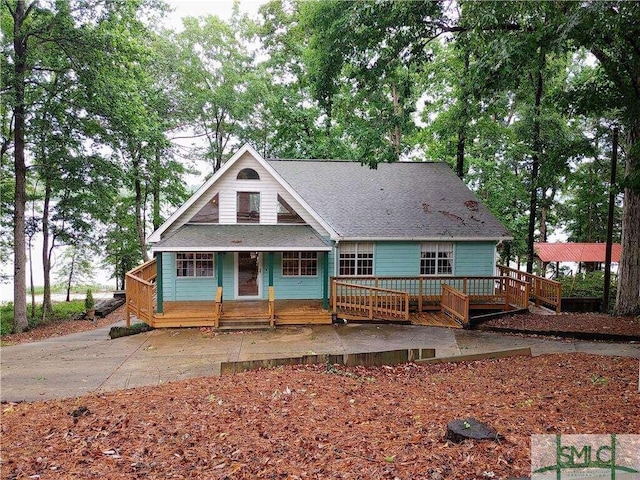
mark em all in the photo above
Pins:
pixel 216 81
pixel 47 40
pixel 369 50
pixel 611 31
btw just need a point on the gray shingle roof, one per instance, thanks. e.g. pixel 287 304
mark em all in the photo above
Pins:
pixel 242 237
pixel 399 200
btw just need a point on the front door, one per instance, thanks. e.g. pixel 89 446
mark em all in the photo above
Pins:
pixel 248 275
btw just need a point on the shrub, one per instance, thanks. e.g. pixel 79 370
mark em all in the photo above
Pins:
pixel 89 302
pixel 587 285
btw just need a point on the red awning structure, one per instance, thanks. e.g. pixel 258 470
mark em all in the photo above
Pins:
pixel 576 252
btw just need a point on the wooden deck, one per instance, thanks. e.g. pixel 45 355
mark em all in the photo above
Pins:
pixel 417 300
pixel 237 313
pixel 256 313
pixel 433 319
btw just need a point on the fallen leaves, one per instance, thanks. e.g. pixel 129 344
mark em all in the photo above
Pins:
pixel 569 322
pixel 318 422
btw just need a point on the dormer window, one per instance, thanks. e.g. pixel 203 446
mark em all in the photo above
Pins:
pixel 248 174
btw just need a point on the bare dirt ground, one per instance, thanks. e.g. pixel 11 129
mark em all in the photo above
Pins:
pixel 570 322
pixel 323 422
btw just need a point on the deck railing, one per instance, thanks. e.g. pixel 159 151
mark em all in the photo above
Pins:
pixel 455 304
pixel 427 292
pixel 140 290
pixel 218 308
pixel 272 307
pixel 516 292
pixel 369 302
pixel 542 291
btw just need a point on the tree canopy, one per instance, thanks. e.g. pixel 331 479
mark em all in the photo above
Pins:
pixel 520 98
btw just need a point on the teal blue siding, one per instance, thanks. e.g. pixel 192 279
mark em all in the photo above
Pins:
pixel 291 287
pixel 229 277
pixel 168 276
pixel 390 259
pixel 332 262
pixel 396 259
pixel 174 288
pixel 474 259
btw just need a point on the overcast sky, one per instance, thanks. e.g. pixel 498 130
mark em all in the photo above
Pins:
pixel 198 8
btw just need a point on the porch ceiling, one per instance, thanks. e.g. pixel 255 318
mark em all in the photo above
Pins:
pixel 238 238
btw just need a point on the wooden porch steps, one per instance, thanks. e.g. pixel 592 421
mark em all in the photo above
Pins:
pixel 321 318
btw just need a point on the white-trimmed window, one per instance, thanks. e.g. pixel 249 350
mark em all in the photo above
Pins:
pixel 436 258
pixel 196 264
pixel 248 207
pixel 299 264
pixel 356 259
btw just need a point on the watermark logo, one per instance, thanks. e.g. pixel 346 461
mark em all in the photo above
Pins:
pixel 585 456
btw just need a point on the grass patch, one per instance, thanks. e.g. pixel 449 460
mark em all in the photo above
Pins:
pixel 117 332
pixel 61 289
pixel 61 311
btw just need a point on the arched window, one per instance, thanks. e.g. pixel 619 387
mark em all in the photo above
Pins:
pixel 248 174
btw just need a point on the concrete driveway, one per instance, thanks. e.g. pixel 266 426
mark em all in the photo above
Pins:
pixel 90 362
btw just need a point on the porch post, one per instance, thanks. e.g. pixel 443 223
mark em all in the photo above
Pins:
pixel 271 269
pixel 159 300
pixel 220 260
pixel 325 280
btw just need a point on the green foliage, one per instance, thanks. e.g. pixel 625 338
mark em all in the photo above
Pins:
pixel 217 85
pixel 61 311
pixel 89 302
pixel 587 285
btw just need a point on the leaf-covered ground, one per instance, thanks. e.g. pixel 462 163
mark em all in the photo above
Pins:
pixel 317 422
pixel 62 327
pixel 570 322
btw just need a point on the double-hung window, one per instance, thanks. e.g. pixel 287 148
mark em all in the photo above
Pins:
pixel 436 258
pixel 356 259
pixel 299 264
pixel 197 264
pixel 248 207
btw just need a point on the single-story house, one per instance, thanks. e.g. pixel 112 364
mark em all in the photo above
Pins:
pixel 276 230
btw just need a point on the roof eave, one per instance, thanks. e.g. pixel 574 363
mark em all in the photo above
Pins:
pixel 426 239
pixel 247 248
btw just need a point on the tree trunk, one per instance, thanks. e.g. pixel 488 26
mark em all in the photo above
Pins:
pixel 157 219
pixel 396 134
pixel 47 307
pixel 32 289
pixel 19 249
pixel 535 161
pixel 628 295
pixel 70 278
pixel 464 117
pixel 140 230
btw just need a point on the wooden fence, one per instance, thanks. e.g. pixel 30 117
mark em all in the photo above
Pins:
pixel 351 294
pixel 542 290
pixel 455 304
pixel 369 302
pixel 140 290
